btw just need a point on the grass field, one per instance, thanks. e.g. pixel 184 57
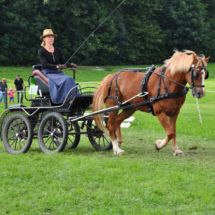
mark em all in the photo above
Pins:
pixel 142 181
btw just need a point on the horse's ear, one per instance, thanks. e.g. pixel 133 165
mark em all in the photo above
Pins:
pixel 195 58
pixel 207 59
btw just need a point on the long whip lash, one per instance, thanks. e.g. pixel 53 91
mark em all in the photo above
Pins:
pixel 95 30
pixel 198 108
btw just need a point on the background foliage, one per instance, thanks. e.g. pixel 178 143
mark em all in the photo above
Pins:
pixel 139 32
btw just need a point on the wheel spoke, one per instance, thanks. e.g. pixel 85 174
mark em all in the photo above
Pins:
pixel 53 145
pixel 70 139
pixel 57 142
pixel 12 132
pixel 105 138
pixel 47 139
pixel 12 143
pixel 50 145
pixel 15 144
pixel 20 144
pixel 48 131
pixel 12 138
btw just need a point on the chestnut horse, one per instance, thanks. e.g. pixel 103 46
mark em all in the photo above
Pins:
pixel 182 68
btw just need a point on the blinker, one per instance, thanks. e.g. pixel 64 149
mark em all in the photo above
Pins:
pixel 207 75
pixel 195 75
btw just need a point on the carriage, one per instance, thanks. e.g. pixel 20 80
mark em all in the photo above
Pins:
pixel 161 91
pixel 54 125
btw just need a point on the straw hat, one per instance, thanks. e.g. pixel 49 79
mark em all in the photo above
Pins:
pixel 48 32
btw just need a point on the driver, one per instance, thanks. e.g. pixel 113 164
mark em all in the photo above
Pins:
pixel 52 61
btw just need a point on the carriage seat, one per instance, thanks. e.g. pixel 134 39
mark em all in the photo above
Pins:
pixel 42 81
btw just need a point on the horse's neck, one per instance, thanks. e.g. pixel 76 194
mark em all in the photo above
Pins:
pixel 175 78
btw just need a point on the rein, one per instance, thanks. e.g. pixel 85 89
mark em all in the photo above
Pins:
pixel 173 80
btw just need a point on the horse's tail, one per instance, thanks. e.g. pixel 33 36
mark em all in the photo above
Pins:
pixel 98 104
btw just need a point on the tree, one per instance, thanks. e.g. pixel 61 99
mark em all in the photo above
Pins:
pixel 183 24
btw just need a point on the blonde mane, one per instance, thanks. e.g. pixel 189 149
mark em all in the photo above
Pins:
pixel 181 61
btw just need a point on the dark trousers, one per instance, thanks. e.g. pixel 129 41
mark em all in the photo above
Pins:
pixel 20 96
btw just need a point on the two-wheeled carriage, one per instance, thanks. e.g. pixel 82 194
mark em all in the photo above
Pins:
pixel 54 125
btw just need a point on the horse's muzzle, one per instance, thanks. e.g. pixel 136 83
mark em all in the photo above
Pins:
pixel 198 93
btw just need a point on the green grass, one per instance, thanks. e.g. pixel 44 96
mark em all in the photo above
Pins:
pixel 142 181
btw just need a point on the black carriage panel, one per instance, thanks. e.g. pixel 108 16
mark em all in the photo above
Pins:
pixel 81 103
pixel 42 85
pixel 37 67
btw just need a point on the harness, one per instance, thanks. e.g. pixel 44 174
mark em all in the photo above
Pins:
pixel 116 89
pixel 159 96
pixel 195 75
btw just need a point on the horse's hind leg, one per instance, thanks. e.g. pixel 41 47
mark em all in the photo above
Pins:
pixel 111 125
pixel 120 118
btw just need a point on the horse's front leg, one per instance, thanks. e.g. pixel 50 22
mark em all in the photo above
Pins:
pixel 120 118
pixel 175 149
pixel 111 125
pixel 169 124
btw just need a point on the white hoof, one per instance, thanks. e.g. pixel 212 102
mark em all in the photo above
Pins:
pixel 158 144
pixel 178 153
pixel 119 152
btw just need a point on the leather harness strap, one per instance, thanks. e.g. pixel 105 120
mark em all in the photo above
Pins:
pixel 144 88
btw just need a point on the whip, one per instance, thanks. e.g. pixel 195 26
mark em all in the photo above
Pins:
pixel 95 30
pixel 200 118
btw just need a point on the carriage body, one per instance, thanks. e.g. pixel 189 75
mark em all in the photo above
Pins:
pixel 54 125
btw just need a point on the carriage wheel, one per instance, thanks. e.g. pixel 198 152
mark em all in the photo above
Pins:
pixel 97 138
pixel 52 133
pixel 17 134
pixel 73 136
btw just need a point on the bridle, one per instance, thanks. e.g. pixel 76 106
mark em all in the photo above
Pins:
pixel 194 75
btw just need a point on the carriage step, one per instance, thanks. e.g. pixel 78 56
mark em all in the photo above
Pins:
pixel 16 106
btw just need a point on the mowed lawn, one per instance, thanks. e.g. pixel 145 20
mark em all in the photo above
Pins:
pixel 142 181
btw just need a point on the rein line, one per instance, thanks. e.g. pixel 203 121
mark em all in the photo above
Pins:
pixel 172 80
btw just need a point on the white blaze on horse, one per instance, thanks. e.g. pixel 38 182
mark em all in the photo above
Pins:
pixel 166 87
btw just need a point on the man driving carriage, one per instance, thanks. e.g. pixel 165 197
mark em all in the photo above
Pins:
pixel 53 61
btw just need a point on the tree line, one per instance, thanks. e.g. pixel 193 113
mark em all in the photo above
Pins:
pixel 138 32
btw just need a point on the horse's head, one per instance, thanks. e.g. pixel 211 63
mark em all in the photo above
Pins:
pixel 196 75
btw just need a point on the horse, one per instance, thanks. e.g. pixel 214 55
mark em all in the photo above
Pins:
pixel 170 79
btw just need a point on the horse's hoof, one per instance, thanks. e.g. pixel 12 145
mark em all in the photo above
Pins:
pixel 121 152
pixel 156 147
pixel 178 153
